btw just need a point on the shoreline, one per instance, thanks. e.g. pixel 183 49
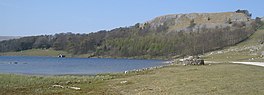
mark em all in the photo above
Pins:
pixel 78 56
pixel 90 75
pixel 163 63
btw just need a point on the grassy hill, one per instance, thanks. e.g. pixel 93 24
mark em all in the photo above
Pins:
pixel 251 49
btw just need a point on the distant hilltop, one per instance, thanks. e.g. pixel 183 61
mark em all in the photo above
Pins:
pixel 182 21
pixel 8 37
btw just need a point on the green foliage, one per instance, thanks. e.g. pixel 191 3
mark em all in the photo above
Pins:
pixel 262 25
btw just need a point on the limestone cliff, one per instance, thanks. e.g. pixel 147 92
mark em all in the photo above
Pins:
pixel 182 21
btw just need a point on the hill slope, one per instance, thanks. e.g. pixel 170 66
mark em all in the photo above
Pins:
pixel 165 36
pixel 251 49
pixel 8 37
pixel 181 21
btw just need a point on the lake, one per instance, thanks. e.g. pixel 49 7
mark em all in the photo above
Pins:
pixel 59 66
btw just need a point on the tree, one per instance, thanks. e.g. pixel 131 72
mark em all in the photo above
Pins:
pixel 42 42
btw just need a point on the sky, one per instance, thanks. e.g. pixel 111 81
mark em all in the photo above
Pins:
pixel 45 17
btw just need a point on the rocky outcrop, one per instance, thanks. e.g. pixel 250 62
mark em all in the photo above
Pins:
pixel 192 60
pixel 182 21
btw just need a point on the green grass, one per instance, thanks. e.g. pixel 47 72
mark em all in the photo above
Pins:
pixel 39 85
pixel 42 52
pixel 216 79
pixel 227 79
pixel 36 52
pixel 231 56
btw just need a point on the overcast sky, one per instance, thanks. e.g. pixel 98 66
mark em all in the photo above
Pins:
pixel 39 17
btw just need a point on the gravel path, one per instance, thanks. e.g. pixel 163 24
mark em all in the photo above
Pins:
pixel 236 62
pixel 251 63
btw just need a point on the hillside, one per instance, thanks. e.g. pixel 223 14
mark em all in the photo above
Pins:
pixel 8 37
pixel 165 36
pixel 251 49
pixel 178 22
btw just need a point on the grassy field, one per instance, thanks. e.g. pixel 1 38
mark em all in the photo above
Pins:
pixel 218 79
pixel 55 53
pixel 43 85
pixel 36 52
pixel 229 79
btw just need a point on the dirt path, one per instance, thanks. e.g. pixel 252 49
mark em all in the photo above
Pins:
pixel 236 62
pixel 251 63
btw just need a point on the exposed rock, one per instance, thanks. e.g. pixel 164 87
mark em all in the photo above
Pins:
pixel 192 61
pixel 123 82
pixel 177 22
pixel 75 88
pixel 219 52
pixel 58 86
pixel 68 82
pixel 61 55
pixel 262 54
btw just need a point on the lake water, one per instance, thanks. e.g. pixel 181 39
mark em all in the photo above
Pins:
pixel 58 66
